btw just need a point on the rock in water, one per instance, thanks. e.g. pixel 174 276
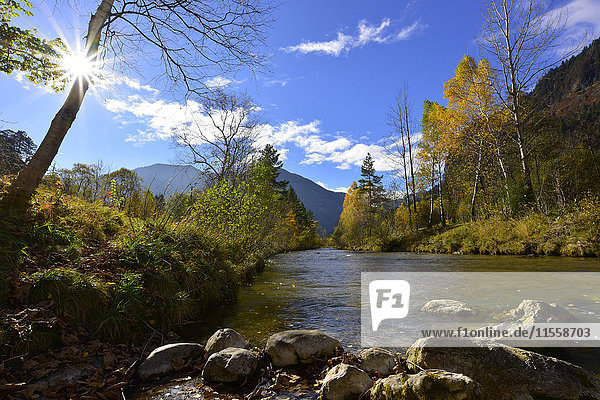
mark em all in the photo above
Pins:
pixel 231 365
pixel 426 385
pixel 533 311
pixel 506 372
pixel 345 382
pixel 167 359
pixel 376 360
pixel 448 307
pixel 300 347
pixel 224 338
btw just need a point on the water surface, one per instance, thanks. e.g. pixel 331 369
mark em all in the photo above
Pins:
pixel 320 289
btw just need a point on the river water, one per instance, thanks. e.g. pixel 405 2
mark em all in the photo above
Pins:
pixel 320 289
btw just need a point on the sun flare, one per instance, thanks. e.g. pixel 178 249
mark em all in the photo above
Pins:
pixel 78 65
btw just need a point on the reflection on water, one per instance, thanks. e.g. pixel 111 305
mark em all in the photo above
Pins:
pixel 320 289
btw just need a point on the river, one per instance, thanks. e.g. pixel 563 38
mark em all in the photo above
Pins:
pixel 320 289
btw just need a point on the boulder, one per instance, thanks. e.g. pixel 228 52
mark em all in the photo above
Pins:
pixel 231 365
pixel 294 347
pixel 345 382
pixel 426 385
pixel 506 372
pixel 377 361
pixel 224 338
pixel 449 307
pixel 169 358
pixel 533 311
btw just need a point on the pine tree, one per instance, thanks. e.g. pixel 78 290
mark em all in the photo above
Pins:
pixel 270 155
pixel 371 183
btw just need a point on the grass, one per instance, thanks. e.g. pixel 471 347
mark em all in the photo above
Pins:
pixel 573 233
pixel 73 294
pixel 115 277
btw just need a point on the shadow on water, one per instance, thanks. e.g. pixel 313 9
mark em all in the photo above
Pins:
pixel 320 289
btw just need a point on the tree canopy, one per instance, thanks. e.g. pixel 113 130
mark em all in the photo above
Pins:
pixel 22 50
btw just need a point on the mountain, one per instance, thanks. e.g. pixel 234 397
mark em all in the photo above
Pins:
pixel 569 97
pixel 574 82
pixel 325 205
pixel 167 179
pixel 570 93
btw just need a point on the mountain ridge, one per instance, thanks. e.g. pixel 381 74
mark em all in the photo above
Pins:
pixel 326 205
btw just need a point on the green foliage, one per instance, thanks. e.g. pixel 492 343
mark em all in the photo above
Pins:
pixel 255 215
pixel 121 184
pixel 75 294
pixel 141 205
pixel 15 150
pixel 23 50
pixel 575 233
pixel 366 220
pixel 66 220
pixel 370 183
pixel 119 266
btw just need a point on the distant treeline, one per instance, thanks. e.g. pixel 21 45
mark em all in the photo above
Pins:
pixel 468 163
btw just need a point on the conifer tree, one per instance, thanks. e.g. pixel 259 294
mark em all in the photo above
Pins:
pixel 370 183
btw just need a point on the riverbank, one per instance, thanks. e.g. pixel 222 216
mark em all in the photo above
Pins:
pixel 305 364
pixel 575 234
pixel 309 364
pixel 82 283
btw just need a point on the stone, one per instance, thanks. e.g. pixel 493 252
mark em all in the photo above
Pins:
pixel 449 307
pixel 345 382
pixel 506 372
pixel 295 347
pixel 377 361
pixel 231 365
pixel 533 311
pixel 167 359
pixel 426 385
pixel 224 338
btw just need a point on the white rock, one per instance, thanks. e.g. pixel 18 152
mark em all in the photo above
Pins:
pixel 448 307
pixel 345 382
pixel 294 347
pixel 377 360
pixel 231 365
pixel 224 338
pixel 160 361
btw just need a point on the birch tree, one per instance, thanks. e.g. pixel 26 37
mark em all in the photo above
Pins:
pixel 523 39
pixel 190 39
pixel 400 118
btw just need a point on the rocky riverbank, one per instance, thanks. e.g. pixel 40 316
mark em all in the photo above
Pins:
pixel 299 364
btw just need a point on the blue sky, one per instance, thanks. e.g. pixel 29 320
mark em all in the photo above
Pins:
pixel 336 68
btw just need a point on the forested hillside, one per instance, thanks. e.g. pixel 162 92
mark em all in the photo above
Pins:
pixel 494 185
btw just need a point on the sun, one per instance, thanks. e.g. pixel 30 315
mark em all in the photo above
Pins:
pixel 75 64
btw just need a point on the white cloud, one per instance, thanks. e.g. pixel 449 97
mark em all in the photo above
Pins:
pixel 353 155
pixel 584 15
pixel 366 34
pixel 273 82
pixel 332 47
pixel 341 189
pixel 218 82
pixel 371 33
pixel 409 31
pixel 159 119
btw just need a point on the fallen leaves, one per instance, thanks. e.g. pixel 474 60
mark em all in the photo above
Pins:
pixel 93 370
